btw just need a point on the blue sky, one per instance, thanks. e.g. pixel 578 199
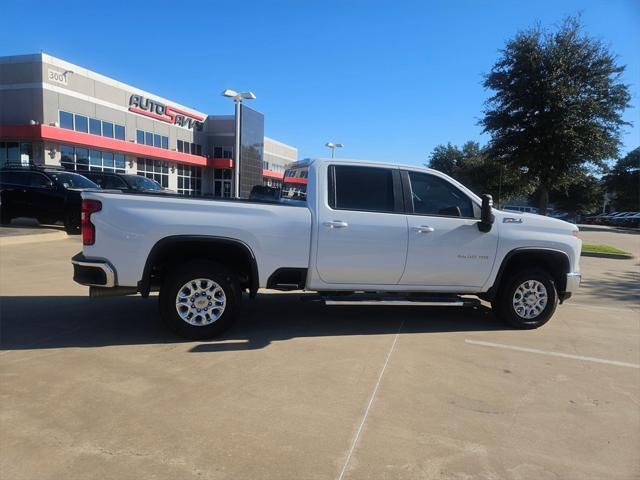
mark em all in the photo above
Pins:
pixel 389 79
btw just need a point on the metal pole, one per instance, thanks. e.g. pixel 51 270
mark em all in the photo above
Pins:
pixel 236 153
pixel 333 152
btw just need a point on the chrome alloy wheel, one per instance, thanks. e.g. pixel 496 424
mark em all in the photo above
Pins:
pixel 530 299
pixel 200 302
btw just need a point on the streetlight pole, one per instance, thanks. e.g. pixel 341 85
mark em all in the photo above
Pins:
pixel 333 147
pixel 237 100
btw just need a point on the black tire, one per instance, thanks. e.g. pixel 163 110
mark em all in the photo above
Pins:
pixel 179 277
pixel 5 215
pixel 72 223
pixel 503 305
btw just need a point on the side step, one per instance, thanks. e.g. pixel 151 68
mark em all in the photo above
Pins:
pixel 397 300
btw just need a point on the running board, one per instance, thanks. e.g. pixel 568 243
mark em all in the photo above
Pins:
pixel 401 301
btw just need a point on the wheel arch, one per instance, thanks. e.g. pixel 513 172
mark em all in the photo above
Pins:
pixel 232 253
pixel 556 262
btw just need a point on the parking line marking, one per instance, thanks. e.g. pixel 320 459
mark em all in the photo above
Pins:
pixel 373 396
pixel 553 354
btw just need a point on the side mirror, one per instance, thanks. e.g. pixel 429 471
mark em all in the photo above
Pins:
pixel 486 215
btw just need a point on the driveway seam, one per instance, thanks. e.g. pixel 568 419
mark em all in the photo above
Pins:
pixel 368 409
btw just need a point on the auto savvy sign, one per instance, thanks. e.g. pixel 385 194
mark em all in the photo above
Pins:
pixel 165 113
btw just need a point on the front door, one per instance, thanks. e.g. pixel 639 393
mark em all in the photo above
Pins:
pixel 362 235
pixel 446 249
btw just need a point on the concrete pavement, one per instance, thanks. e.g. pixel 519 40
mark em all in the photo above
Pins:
pixel 96 388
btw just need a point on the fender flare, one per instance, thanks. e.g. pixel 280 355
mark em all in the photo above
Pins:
pixel 144 284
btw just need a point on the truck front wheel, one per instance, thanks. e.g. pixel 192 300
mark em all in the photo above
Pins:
pixel 526 299
pixel 199 300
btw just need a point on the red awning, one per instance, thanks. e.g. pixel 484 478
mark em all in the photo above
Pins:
pixel 62 135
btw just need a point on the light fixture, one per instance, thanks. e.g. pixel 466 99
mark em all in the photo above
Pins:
pixel 237 99
pixel 333 147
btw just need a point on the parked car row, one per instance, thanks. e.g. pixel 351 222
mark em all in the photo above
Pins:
pixel 616 219
pixel 52 195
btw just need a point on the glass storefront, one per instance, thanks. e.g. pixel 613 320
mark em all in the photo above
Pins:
pixel 16 153
pixel 222 181
pixel 77 158
pixel 189 180
pixel 157 170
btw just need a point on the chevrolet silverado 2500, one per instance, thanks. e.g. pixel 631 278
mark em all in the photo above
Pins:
pixel 355 232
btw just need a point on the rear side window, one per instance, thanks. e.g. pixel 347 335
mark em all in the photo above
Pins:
pixel 15 178
pixel 367 189
pixel 112 182
pixel 432 195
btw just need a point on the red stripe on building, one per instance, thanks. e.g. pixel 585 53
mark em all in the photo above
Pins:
pixel 56 134
pixel 298 180
pixel 272 174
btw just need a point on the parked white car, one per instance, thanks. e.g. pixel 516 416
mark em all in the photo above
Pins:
pixel 356 232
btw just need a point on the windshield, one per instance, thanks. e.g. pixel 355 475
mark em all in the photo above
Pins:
pixel 138 182
pixel 294 183
pixel 72 180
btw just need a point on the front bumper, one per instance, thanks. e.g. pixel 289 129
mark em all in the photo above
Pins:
pixel 93 273
pixel 573 283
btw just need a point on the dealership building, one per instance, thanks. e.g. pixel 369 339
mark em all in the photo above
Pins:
pixel 56 113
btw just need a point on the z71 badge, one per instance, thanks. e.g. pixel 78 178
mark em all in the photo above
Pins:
pixel 511 220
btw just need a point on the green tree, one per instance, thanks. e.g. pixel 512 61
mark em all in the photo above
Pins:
pixel 473 167
pixel 585 195
pixel 556 107
pixel 624 182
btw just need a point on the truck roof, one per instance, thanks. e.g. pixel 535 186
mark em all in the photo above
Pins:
pixel 408 166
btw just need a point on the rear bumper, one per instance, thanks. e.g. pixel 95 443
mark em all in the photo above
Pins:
pixel 93 273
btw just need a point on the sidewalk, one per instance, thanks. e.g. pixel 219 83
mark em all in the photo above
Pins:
pixel 24 230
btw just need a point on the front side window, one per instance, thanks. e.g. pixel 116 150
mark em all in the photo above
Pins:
pixel 433 195
pixel 72 180
pixel 368 189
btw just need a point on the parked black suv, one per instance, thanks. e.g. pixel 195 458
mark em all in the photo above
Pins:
pixel 127 183
pixel 47 194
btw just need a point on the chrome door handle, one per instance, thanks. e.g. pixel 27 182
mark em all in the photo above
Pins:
pixel 424 229
pixel 336 224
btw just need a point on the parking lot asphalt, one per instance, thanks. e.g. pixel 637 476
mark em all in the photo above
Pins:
pixel 96 388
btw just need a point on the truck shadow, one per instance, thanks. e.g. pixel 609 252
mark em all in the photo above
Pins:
pixel 28 323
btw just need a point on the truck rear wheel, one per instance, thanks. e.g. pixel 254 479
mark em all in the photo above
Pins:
pixel 199 300
pixel 526 299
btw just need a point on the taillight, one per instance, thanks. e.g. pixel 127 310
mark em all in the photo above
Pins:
pixel 88 229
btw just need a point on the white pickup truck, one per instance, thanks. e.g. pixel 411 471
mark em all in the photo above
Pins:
pixel 356 232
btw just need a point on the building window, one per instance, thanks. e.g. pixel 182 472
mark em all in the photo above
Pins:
pixel 154 169
pixel 107 129
pixel 94 160
pixel 189 180
pixel 152 139
pixel 95 126
pixel 16 153
pixel 66 120
pixel 191 148
pixel 119 132
pixel 81 123
pixel 222 182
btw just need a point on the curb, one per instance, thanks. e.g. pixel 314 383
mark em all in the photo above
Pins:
pixel 35 238
pixel 617 256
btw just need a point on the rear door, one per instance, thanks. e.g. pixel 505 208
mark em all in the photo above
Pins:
pixel 362 232
pixel 44 199
pixel 14 191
